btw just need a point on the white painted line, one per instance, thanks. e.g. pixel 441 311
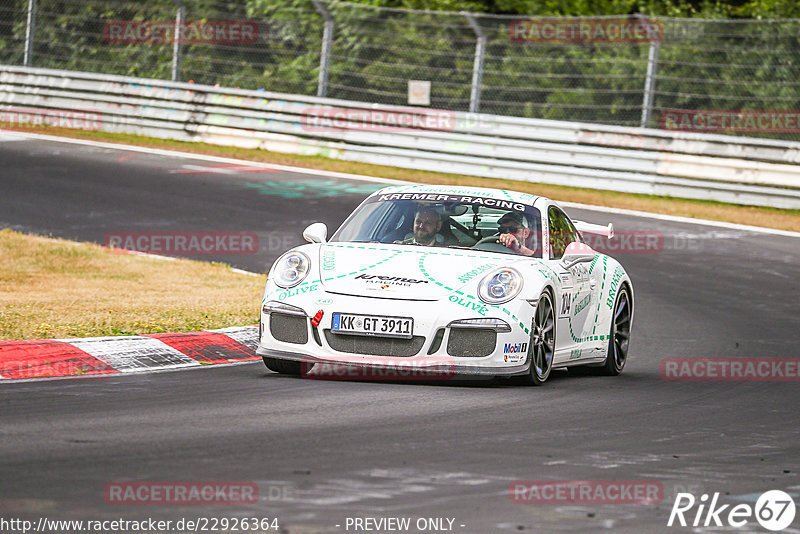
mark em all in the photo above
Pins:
pixel 209 170
pixel 204 157
pixel 172 258
pixel 315 172
pixel 242 271
pixel 138 253
pixel 8 136
pixel 688 220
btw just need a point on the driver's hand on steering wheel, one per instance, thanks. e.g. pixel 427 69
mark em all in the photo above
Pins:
pixel 509 241
pixel 512 242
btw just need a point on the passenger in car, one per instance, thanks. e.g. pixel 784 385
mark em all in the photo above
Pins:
pixel 427 222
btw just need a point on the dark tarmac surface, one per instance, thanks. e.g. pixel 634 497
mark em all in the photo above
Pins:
pixel 325 451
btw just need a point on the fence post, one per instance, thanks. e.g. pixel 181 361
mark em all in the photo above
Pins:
pixel 650 79
pixel 30 30
pixel 177 45
pixel 327 41
pixel 477 67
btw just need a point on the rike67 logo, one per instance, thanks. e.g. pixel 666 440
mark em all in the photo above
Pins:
pixel 774 510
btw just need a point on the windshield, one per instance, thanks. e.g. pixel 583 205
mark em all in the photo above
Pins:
pixel 450 221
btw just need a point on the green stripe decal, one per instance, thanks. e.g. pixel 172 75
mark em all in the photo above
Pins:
pixel 426 274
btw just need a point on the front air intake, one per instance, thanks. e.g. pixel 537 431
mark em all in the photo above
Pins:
pixel 373 345
pixel 288 328
pixel 471 342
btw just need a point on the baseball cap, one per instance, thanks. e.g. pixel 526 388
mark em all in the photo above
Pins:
pixel 513 216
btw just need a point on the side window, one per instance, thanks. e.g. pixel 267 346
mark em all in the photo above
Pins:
pixel 562 232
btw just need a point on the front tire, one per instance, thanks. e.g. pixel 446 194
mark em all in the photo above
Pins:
pixel 543 341
pixel 284 367
pixel 619 335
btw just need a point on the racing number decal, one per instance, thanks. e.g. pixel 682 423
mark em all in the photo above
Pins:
pixel 566 304
pixel 580 274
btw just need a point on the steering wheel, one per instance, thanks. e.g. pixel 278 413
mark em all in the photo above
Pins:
pixel 487 239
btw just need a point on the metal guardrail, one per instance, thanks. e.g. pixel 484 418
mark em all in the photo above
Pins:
pixel 689 165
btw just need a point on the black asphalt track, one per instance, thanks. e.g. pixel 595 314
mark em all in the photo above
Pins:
pixel 325 451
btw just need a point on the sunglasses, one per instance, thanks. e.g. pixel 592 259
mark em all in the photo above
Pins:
pixel 509 229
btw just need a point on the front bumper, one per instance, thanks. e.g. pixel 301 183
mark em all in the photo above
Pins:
pixel 439 347
pixel 412 369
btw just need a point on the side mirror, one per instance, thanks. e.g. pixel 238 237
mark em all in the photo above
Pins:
pixel 316 233
pixel 575 253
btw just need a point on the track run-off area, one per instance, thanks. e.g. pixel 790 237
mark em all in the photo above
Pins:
pixel 319 456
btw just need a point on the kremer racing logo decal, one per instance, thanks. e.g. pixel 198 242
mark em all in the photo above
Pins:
pixel 389 280
pixel 434 197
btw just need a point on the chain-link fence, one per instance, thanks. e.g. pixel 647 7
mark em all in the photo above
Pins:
pixel 705 75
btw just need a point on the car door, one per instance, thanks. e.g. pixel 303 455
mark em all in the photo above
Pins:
pixel 574 303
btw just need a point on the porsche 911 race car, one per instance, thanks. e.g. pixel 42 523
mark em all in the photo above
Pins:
pixel 443 281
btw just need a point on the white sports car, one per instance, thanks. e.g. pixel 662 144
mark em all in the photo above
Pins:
pixel 442 281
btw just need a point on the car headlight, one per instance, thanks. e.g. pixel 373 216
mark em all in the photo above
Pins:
pixel 291 269
pixel 500 285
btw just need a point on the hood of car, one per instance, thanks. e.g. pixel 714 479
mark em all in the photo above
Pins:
pixel 402 271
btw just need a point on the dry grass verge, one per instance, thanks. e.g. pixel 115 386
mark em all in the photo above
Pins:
pixel 54 288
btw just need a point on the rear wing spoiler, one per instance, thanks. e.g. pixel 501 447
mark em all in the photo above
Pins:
pixel 598 229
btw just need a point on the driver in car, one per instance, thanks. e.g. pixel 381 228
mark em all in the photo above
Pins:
pixel 427 222
pixel 514 233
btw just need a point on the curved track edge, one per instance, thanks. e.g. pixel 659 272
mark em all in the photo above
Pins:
pixel 57 358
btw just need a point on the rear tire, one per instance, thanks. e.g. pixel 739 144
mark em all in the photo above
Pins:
pixel 284 367
pixel 543 341
pixel 619 335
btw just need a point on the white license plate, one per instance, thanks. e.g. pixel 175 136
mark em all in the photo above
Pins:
pixel 372 325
